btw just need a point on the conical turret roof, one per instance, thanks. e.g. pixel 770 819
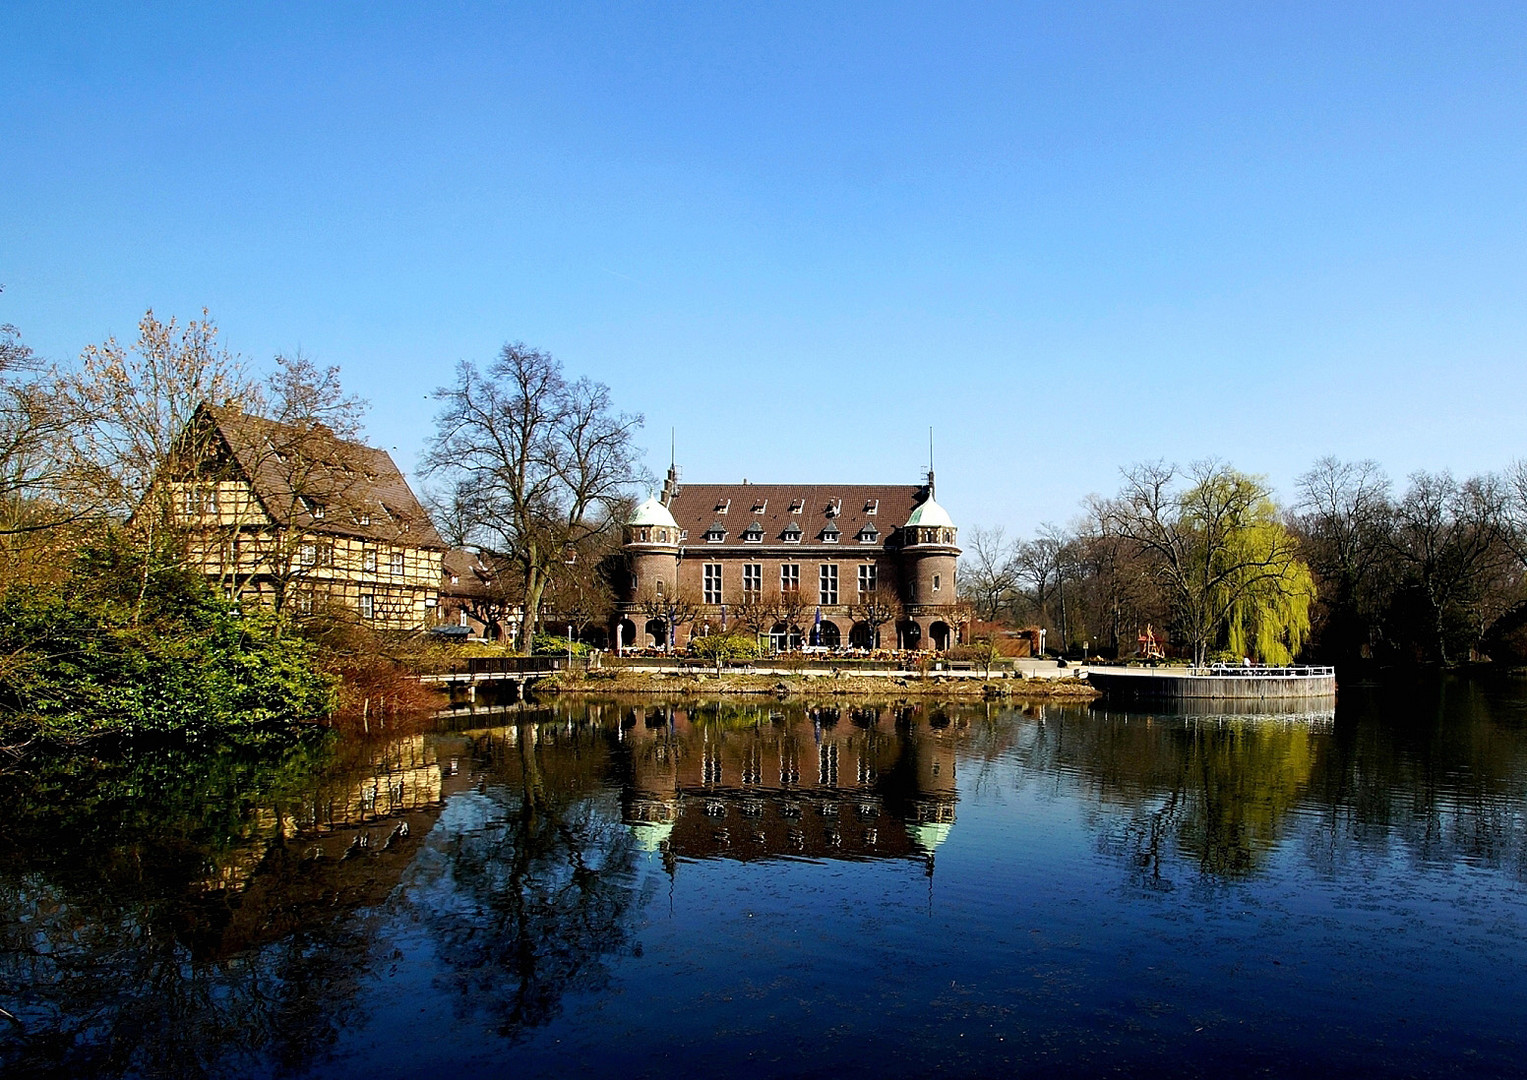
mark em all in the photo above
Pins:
pixel 930 515
pixel 652 512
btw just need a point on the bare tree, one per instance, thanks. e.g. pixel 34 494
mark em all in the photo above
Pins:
pixel 1119 586
pixel 134 406
pixel 877 608
pixel 1344 516
pixel 1045 563
pixel 988 571
pixel 582 586
pixel 536 463
pixel 790 611
pixel 1452 540
pixel 675 609
pixel 1214 541
pixel 133 410
pixel 754 612
pixel 40 491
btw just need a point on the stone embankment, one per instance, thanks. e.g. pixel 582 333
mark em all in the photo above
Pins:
pixel 810 684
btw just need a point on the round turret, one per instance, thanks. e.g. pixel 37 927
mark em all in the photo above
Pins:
pixel 930 523
pixel 930 556
pixel 652 523
pixel 652 562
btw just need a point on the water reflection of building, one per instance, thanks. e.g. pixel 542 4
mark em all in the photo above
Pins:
pixel 342 843
pixel 823 783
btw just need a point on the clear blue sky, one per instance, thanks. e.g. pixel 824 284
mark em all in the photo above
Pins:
pixel 1066 236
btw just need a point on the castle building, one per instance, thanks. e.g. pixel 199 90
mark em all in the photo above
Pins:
pixel 807 564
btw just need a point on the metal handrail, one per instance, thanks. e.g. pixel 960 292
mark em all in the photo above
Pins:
pixel 1258 671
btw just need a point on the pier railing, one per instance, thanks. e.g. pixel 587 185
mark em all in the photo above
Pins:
pixel 1258 671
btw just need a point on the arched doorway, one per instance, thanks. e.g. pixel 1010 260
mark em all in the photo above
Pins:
pixel 657 634
pixel 941 635
pixel 829 635
pixel 626 634
pixel 861 636
pixel 785 638
pixel 909 635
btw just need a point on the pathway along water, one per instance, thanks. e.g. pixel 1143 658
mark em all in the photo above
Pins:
pixel 787 889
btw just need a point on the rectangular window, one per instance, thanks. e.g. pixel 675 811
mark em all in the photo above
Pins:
pixel 789 578
pixel 303 602
pixel 368 606
pixel 368 560
pixel 752 579
pixel 307 554
pixel 395 563
pixel 935 582
pixel 198 500
pixel 712 591
pixel 866 579
pixel 828 580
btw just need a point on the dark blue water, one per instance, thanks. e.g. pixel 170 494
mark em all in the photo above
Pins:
pixel 794 890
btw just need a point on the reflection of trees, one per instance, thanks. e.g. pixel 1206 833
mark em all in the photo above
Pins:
pixel 534 896
pixel 1435 770
pixel 1216 792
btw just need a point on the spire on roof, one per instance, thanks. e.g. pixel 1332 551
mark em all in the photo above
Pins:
pixel 671 484
pixel 930 462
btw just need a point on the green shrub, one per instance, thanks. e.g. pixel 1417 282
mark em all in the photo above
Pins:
pixel 552 645
pixel 131 644
pixel 725 647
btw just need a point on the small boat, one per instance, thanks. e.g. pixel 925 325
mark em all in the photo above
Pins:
pixel 1215 682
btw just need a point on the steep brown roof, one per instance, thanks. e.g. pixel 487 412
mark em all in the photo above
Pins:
pixel 697 507
pixel 312 479
pixel 476 573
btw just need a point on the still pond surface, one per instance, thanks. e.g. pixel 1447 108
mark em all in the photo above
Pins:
pixel 786 890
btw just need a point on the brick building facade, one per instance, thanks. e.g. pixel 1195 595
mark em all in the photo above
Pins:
pixel 829 561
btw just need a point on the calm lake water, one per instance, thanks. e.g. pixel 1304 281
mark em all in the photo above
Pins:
pixel 786 890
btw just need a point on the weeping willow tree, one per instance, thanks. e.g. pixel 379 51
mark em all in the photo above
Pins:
pixel 1268 609
pixel 1214 540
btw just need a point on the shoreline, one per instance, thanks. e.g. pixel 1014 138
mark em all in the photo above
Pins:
pixel 728 684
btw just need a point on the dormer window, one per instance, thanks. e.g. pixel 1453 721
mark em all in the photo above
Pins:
pixel 830 534
pixel 868 535
pixel 760 505
pixel 362 517
pixel 871 506
pixel 792 533
pixel 834 508
pixel 716 533
pixel 753 534
pixel 313 507
pixel 797 505
pixel 723 506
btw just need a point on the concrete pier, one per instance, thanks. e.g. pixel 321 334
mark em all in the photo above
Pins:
pixel 1218 683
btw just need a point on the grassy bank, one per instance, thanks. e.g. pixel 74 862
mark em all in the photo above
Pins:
pixel 808 684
